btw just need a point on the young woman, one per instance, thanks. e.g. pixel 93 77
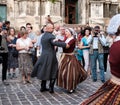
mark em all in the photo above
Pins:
pixel 85 48
pixel 70 73
pixel 12 60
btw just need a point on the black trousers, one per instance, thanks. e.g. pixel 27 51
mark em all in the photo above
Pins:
pixel 105 61
pixel 4 65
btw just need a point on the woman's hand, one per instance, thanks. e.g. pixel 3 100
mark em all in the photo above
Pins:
pixel 55 40
pixel 26 48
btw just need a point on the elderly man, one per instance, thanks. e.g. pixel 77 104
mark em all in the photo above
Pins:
pixel 46 67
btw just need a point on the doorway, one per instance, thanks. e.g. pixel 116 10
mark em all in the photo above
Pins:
pixel 3 12
pixel 71 11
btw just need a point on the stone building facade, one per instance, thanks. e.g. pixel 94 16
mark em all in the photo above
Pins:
pixel 19 12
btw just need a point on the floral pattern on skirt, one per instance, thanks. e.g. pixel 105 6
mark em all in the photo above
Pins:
pixel 25 63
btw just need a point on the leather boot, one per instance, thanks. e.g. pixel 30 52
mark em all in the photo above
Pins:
pixel 43 86
pixel 51 87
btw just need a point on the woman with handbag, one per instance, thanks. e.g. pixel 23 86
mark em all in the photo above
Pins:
pixel 12 58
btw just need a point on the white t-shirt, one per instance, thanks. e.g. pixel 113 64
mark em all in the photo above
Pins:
pixel 24 43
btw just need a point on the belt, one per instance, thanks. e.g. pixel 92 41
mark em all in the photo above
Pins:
pixel 95 49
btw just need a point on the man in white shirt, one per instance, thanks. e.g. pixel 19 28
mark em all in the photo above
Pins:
pixel 96 42
pixel 60 36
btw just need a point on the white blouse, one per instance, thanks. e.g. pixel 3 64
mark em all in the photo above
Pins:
pixel 23 43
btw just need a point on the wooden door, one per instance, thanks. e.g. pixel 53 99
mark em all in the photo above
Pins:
pixel 70 12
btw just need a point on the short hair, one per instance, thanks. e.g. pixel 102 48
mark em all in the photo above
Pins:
pixel 28 24
pixel 22 27
pixel 22 33
pixel 7 22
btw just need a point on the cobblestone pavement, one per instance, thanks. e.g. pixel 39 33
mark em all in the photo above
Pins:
pixel 19 94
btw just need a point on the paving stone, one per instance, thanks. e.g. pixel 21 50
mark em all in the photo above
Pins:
pixel 29 94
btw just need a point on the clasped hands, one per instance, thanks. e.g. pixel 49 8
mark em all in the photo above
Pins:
pixel 26 48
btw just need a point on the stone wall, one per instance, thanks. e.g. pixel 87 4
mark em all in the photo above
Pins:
pixel 19 12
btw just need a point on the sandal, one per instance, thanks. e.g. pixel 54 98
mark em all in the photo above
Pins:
pixel 24 82
pixel 29 81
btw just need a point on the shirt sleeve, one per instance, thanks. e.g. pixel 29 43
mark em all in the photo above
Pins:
pixel 102 40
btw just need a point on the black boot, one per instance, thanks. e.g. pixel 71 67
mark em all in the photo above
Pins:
pixel 43 86
pixel 51 87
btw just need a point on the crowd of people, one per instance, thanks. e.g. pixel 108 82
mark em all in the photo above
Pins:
pixel 58 54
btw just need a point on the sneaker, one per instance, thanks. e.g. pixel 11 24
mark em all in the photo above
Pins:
pixel 24 82
pixel 29 81
pixel 14 75
pixel 5 83
pixel 94 80
pixel 103 81
pixel 9 76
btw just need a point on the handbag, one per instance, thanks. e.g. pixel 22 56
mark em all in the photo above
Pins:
pixel 14 52
pixel 30 52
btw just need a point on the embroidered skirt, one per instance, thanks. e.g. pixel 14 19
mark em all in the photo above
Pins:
pixel 70 73
pixel 107 94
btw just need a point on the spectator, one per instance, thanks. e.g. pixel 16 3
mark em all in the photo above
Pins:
pixel 4 55
pixel 23 45
pixel 12 60
pixel 85 48
pixel 109 92
pixel 32 35
pixel 96 42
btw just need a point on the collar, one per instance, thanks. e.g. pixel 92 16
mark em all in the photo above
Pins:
pixel 68 40
pixel 117 38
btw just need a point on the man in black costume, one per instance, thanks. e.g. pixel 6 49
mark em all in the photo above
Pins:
pixel 46 68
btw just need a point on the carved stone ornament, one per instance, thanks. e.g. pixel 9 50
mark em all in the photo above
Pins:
pixel 3 1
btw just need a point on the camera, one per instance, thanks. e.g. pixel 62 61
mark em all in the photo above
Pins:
pixel 95 34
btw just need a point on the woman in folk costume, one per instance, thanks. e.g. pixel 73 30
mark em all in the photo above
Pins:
pixel 71 72
pixel 109 92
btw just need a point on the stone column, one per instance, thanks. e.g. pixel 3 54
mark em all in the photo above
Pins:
pixel 108 9
pixel 37 4
pixel 10 8
pixel 97 13
pixel 82 11
pixel 47 8
pixel 63 11
pixel 23 9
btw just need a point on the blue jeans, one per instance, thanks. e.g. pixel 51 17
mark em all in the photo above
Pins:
pixel 93 60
